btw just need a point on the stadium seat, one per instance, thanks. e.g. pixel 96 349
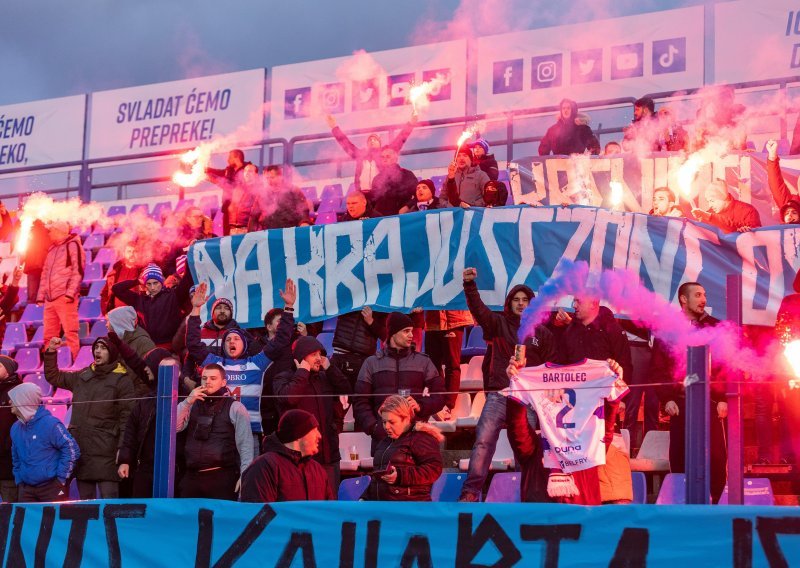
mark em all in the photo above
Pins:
pixel 311 194
pixel 95 289
pixel 438 183
pixel 475 344
pixel 353 488
pixel 504 488
pixel 639 482
pixel 94 241
pixel 757 491
pixel 28 360
pixel 331 191
pixel 503 458
pixel 209 205
pixel 472 374
pixel 673 490
pixel 16 334
pixel 22 299
pixel 471 420
pixel 654 453
pixel 32 315
pixel 349 420
pixel 363 444
pixel 329 204
pixel 623 441
pixel 99 329
pixel 447 489
pixel 183 205
pixel 325 218
pixel 141 208
pixel 502 175
pixel 89 309
pixel 105 256
pixel 160 210
pixel 461 410
pixel 83 360
pixel 37 341
pixel 39 380
pixel 93 273
pixel 326 338
pixel 59 411
pixel 116 210
pixel 63 357
pixel 329 325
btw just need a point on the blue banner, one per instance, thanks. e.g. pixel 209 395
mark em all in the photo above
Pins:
pixel 204 533
pixel 417 259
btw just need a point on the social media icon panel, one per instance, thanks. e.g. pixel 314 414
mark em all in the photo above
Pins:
pixel 366 95
pixel 397 87
pixel 507 76
pixel 669 55
pixel 587 66
pixel 546 71
pixel 331 98
pixel 441 84
pixel 297 103
pixel 627 61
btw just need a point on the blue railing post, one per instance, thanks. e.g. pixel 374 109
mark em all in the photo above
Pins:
pixel 698 372
pixel 733 391
pixel 166 415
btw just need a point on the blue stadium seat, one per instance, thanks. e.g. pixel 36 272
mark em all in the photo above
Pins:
pixel 639 482
pixel 504 488
pixel 673 490
pixel 89 309
pixel 329 324
pixel 475 345
pixel 32 315
pixel 326 338
pixel 39 380
pixel 15 335
pixel 757 491
pixel 28 360
pixel 352 488
pixel 447 488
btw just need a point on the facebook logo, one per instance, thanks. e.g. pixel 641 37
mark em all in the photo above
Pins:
pixel 398 87
pixel 587 66
pixel 669 56
pixel 507 76
pixel 365 95
pixel 297 103
pixel 441 90
pixel 627 61
pixel 547 71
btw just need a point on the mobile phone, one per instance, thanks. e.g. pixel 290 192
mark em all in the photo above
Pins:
pixel 378 473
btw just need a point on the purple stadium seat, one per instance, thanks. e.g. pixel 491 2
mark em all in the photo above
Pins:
pixel 93 272
pixel 326 338
pixel 329 204
pixel 504 488
pixel 311 193
pixel 88 255
pixel 105 256
pixel 329 324
pixel 39 380
pixel 15 335
pixel 115 210
pixel 37 341
pixel 210 205
pixel 22 300
pixel 475 345
pixel 63 357
pixel 94 241
pixel 99 329
pixel 183 205
pixel 95 289
pixel 141 208
pixel 160 210
pixel 351 489
pixel 639 487
pixel 33 315
pixel 83 332
pixel 673 490
pixel 447 489
pixel 326 218
pixel 89 309
pixel 333 190
pixel 28 360
pixel 59 411
pixel 757 491
pixel 83 360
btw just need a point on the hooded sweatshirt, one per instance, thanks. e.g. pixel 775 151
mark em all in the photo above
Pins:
pixel 502 330
pixel 569 136
pixel 124 321
pixel 42 449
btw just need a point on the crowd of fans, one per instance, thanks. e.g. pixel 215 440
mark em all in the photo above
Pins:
pixel 261 410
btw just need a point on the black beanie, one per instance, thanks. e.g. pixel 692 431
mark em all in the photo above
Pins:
pixel 304 346
pixel 10 365
pixel 153 359
pixel 294 424
pixel 397 321
pixel 113 352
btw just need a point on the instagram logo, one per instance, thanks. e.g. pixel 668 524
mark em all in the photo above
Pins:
pixel 546 71
pixel 331 98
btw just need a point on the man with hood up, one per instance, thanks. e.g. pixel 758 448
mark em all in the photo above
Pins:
pixel 8 380
pixel 570 134
pixel 465 182
pixel 245 373
pixel 100 409
pixel 43 452
pixel 124 321
pixel 501 330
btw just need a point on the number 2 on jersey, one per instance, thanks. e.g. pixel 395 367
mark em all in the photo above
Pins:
pixel 572 398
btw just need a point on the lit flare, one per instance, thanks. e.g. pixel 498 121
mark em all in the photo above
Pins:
pixel 792 353
pixel 616 194
pixel 198 160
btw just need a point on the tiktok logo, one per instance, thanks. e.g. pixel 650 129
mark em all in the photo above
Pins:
pixel 669 56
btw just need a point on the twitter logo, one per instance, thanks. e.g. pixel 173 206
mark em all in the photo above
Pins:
pixel 587 66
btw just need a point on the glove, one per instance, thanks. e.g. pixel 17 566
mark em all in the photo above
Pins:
pixel 561 484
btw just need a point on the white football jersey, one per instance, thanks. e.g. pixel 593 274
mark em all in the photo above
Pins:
pixel 568 400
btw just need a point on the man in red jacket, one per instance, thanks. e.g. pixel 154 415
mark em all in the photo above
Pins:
pixel 726 213
pixel 285 471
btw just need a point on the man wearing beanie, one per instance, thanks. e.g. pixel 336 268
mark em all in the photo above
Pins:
pixel 158 307
pixel 245 372
pixel 8 380
pixel 43 452
pixel 464 185
pixel 221 321
pixel 313 387
pixel 484 160
pixel 726 213
pixel 286 470
pixel 396 367
pixel 101 405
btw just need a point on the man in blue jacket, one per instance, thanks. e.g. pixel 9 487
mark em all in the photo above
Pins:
pixel 43 453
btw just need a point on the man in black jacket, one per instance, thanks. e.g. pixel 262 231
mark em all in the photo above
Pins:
pixel 501 331
pixel 312 387
pixel 570 134
pixel 286 470
pixel 393 186
pixel 8 380
pixel 227 179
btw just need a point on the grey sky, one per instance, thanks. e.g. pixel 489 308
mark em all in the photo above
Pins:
pixel 54 48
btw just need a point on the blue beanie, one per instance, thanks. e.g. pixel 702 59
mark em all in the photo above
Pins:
pixel 483 144
pixel 152 272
